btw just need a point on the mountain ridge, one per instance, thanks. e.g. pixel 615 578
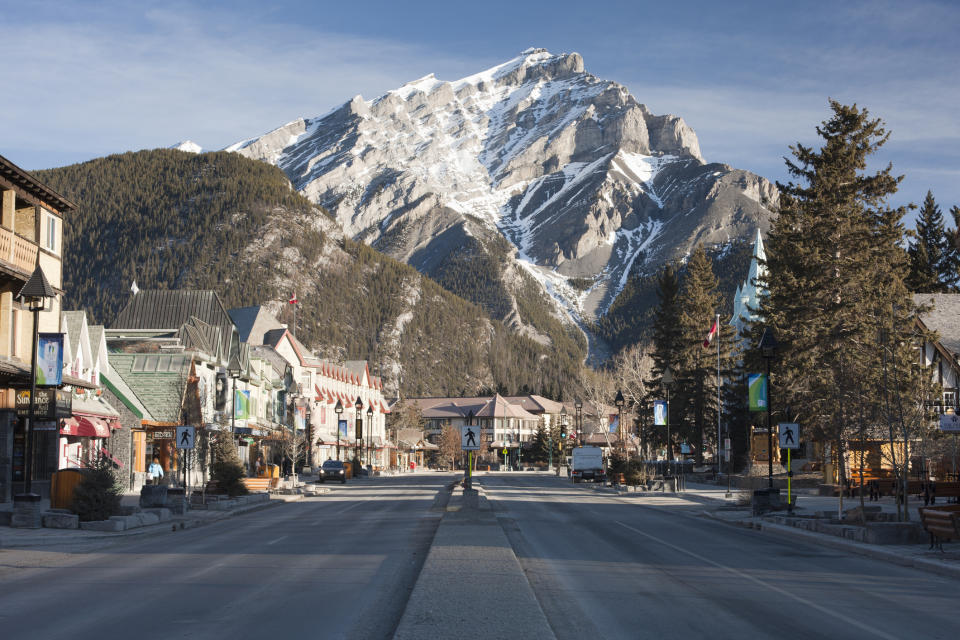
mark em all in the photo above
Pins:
pixel 585 183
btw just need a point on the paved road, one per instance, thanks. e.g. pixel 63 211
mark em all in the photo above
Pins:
pixel 603 566
pixel 337 566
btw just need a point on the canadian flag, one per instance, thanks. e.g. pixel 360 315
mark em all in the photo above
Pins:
pixel 713 332
pixel 293 299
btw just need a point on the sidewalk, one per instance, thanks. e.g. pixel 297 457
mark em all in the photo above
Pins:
pixel 11 538
pixel 471 580
pixel 729 510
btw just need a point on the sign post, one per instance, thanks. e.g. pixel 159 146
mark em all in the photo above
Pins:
pixel 186 440
pixel 468 442
pixel 789 440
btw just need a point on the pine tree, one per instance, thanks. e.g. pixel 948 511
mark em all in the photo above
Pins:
pixel 930 268
pixel 697 397
pixel 667 339
pixel 952 262
pixel 836 271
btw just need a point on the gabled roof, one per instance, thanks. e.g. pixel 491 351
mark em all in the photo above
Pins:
pixel 253 323
pixel 170 309
pixel 73 322
pixel 19 178
pixel 536 404
pixel 944 318
pixel 498 407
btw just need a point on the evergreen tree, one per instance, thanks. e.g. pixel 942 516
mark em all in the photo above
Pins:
pixel 952 262
pixel 667 335
pixel 697 397
pixel 667 339
pixel 836 272
pixel 931 270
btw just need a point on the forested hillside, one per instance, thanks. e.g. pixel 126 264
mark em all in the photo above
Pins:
pixel 630 317
pixel 170 219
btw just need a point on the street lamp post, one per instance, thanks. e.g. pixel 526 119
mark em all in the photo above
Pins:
pixel 667 380
pixel 768 349
pixel 35 294
pixel 370 447
pixel 309 417
pixel 358 435
pixel 619 402
pixel 579 407
pixel 233 370
pixel 338 410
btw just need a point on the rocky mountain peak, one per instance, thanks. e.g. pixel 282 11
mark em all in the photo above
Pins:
pixel 577 175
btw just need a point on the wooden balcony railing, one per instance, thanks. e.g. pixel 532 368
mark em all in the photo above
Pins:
pixel 17 251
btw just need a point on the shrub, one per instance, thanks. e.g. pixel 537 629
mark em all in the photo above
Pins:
pixel 226 469
pixel 97 497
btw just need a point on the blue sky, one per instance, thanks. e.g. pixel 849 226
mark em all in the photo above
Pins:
pixel 85 79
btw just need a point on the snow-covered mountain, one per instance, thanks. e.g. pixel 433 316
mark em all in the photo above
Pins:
pixel 584 181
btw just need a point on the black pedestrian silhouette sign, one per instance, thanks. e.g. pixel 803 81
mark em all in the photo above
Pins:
pixel 470 438
pixel 185 437
pixel 789 435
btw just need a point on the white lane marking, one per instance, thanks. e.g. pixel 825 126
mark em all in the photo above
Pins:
pixel 347 508
pixel 856 623
pixel 278 540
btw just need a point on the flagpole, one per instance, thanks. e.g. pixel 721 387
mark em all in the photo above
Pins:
pixel 719 404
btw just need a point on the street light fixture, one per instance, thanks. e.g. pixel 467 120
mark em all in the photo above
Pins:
pixel 667 379
pixel 768 349
pixel 358 434
pixel 34 294
pixel 233 370
pixel 338 410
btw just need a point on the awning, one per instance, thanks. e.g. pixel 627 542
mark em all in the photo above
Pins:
pixel 107 454
pixel 85 427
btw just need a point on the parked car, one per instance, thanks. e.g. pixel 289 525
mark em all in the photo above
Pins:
pixel 333 470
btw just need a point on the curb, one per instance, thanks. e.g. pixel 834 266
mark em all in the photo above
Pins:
pixel 174 524
pixel 840 544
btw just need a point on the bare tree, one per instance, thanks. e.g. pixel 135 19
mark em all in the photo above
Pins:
pixel 291 445
pixel 450 444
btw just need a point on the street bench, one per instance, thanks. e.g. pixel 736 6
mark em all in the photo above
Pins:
pixel 261 484
pixel 942 523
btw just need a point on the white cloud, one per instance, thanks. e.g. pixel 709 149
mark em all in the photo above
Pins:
pixel 104 87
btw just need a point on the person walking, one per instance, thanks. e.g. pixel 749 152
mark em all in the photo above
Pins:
pixel 155 471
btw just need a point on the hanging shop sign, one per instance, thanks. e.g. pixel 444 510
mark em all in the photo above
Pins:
pixel 50 404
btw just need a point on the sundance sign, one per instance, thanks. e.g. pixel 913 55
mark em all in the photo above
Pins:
pixel 50 404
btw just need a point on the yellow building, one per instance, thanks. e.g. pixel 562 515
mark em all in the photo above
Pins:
pixel 31 234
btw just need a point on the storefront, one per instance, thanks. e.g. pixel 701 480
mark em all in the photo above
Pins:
pixel 50 406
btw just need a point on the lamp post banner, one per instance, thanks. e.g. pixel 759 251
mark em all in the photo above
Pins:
pixel 342 425
pixel 660 413
pixel 50 359
pixel 757 385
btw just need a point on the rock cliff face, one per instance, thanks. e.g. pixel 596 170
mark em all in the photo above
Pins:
pixel 584 182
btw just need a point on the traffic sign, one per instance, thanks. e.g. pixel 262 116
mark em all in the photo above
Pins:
pixel 950 423
pixel 470 438
pixel 186 437
pixel 789 435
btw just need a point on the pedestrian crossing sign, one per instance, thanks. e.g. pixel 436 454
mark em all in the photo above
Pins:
pixel 789 435
pixel 470 438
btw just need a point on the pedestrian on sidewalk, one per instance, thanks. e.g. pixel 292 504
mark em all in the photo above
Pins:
pixel 155 471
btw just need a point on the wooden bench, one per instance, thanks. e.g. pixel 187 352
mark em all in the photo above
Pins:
pixel 942 523
pixel 261 484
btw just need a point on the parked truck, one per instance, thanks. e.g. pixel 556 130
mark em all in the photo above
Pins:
pixel 587 464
